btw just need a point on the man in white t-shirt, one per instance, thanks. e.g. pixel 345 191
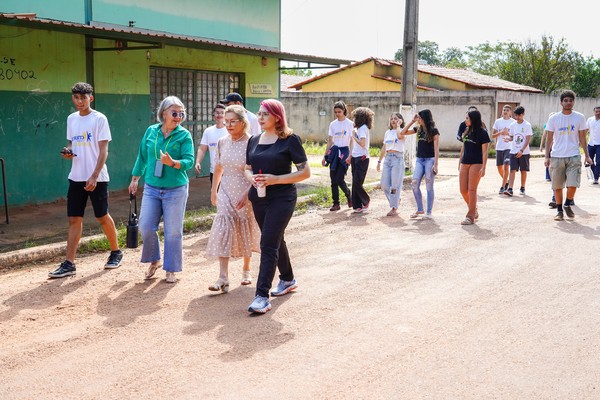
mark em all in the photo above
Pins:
pixel 566 134
pixel 210 138
pixel 593 124
pixel 236 98
pixel 520 133
pixel 88 134
pixel 500 133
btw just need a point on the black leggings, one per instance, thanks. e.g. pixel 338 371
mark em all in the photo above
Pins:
pixel 273 216
pixel 360 167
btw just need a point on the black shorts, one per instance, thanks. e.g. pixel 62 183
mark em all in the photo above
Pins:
pixel 77 198
pixel 502 157
pixel 519 164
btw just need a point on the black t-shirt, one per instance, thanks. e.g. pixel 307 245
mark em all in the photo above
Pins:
pixel 276 159
pixel 461 128
pixel 425 149
pixel 473 153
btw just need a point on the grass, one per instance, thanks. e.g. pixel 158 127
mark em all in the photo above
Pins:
pixel 318 149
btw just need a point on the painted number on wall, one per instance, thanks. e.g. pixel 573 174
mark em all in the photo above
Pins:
pixel 7 74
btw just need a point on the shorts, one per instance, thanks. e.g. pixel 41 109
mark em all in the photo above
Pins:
pixel 519 164
pixel 77 199
pixel 565 171
pixel 502 157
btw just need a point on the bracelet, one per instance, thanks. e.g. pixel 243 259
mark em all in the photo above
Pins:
pixel 173 165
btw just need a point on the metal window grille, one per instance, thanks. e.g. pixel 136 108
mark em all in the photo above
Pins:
pixel 199 91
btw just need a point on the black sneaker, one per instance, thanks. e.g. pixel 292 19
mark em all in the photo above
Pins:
pixel 559 216
pixel 114 260
pixel 522 190
pixel 569 211
pixel 552 204
pixel 66 268
pixel 501 191
pixel 508 192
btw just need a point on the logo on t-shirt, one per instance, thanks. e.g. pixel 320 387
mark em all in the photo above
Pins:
pixel 85 136
pixel 342 133
pixel 565 130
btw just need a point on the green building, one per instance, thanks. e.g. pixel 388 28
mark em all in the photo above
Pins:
pixel 134 54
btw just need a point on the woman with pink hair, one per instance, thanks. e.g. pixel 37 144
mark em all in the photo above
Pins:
pixel 269 159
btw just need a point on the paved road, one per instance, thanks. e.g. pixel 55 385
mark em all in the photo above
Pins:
pixel 386 308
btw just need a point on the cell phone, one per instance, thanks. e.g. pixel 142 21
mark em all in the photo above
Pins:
pixel 67 152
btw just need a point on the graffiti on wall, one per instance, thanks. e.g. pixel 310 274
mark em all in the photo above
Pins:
pixel 9 70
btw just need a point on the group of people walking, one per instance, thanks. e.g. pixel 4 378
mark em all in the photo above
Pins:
pixel 253 185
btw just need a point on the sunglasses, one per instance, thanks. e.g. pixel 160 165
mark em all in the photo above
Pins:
pixel 176 114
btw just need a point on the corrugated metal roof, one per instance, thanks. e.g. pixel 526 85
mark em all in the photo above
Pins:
pixel 109 31
pixel 460 75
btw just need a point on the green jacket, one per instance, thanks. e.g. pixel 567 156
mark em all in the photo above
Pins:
pixel 178 144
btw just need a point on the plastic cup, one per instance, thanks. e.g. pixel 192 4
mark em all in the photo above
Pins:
pixel 261 190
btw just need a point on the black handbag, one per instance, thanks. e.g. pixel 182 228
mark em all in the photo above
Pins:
pixel 132 224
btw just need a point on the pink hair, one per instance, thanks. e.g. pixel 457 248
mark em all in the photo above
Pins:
pixel 275 108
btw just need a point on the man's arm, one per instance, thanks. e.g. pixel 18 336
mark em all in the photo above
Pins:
pixel 200 156
pixel 90 184
pixel 583 144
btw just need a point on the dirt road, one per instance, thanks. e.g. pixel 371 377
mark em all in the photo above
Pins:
pixel 386 308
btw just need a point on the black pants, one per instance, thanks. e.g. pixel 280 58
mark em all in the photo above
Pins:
pixel 360 166
pixel 337 181
pixel 273 216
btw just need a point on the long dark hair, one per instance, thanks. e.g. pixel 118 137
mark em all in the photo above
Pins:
pixel 428 125
pixel 476 124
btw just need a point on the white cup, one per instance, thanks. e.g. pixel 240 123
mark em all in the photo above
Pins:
pixel 261 190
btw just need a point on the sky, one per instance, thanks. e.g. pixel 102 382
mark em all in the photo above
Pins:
pixel 355 29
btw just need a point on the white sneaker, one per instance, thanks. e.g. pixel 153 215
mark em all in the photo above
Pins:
pixel 171 277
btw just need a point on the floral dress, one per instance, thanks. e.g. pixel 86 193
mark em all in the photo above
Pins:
pixel 234 233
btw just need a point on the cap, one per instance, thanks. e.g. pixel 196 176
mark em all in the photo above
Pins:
pixel 232 97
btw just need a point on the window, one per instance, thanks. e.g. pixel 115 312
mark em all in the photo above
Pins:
pixel 199 91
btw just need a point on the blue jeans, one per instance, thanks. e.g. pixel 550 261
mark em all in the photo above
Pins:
pixel 423 166
pixel 594 152
pixel 168 203
pixel 392 175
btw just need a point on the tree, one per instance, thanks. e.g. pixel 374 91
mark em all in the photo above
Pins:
pixel 586 82
pixel 453 57
pixel 428 52
pixel 547 65
pixel 485 57
pixel 296 72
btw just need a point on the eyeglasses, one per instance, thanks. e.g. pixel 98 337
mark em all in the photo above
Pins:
pixel 231 122
pixel 176 114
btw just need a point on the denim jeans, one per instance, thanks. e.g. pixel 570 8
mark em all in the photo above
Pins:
pixel 392 174
pixel 423 167
pixel 168 203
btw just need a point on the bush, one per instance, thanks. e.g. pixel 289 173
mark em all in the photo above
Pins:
pixel 537 136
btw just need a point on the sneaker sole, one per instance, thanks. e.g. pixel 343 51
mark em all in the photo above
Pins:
pixel 284 292
pixel 559 218
pixel 570 214
pixel 61 275
pixel 260 310
pixel 112 266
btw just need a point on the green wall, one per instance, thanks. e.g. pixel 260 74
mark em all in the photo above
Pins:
pixel 36 100
pixel 253 22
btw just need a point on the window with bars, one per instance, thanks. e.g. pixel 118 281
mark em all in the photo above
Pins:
pixel 199 91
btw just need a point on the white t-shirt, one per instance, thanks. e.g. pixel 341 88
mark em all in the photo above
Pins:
pixel 84 134
pixel 357 149
pixel 254 125
pixel 210 137
pixel 565 138
pixel 499 125
pixel 519 132
pixel 593 125
pixel 341 132
pixel 391 141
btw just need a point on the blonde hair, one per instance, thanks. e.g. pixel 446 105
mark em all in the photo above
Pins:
pixel 240 112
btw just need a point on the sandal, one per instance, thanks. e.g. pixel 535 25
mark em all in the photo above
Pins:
pixel 392 212
pixel 152 270
pixel 221 284
pixel 246 278
pixel 416 214
pixel 467 221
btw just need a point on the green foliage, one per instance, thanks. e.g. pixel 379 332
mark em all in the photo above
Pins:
pixel 547 65
pixel 586 82
pixel 453 57
pixel 428 52
pixel 485 57
pixel 296 71
pixel 536 138
pixel 314 148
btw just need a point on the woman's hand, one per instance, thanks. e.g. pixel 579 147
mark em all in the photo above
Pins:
pixel 213 197
pixel 323 161
pixel 435 169
pixel 265 179
pixel 166 159
pixel 242 203
pixel 378 166
pixel 197 168
pixel 482 172
pixel 133 186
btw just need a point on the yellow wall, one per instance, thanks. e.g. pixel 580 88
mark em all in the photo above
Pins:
pixel 437 82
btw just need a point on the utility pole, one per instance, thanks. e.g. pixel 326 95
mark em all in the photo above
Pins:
pixel 410 61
